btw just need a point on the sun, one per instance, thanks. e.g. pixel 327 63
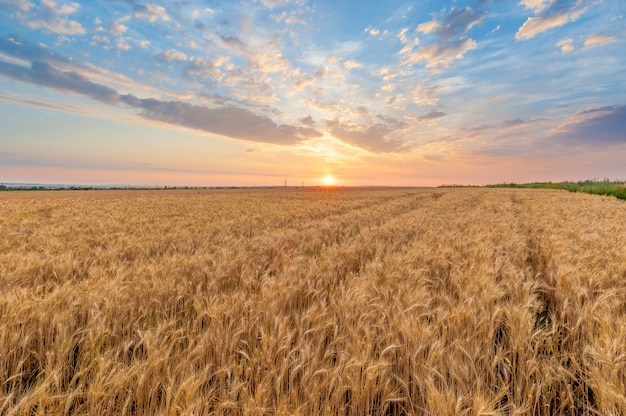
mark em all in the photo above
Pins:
pixel 329 179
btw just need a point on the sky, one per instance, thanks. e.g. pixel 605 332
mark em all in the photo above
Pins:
pixel 259 92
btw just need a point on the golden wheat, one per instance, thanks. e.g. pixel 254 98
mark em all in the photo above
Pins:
pixel 312 301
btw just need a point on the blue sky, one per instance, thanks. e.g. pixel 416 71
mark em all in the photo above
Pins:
pixel 256 92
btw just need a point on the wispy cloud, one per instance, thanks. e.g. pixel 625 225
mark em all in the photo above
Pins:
pixel 290 18
pixel 374 138
pixel 234 122
pixel 537 6
pixel 514 123
pixel 450 40
pixel 550 14
pixel 599 39
pixel 431 115
pixel 425 94
pixel 273 3
pixel 29 51
pixel 42 104
pixel 604 126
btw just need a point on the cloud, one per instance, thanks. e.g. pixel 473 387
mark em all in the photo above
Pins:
pixel 451 42
pixel 171 55
pixel 386 73
pixel 424 95
pixel 428 27
pixel 62 9
pixel 300 83
pixel 308 121
pixel 326 107
pixel 235 44
pixel 513 123
pixel 120 45
pixel 536 5
pixel 258 89
pixel 566 45
pixel 234 122
pixel 52 17
pixel 454 25
pixel 518 124
pixel 29 51
pixel 22 6
pixel 206 68
pixel 151 12
pixel 288 18
pixel 549 15
pixel 117 28
pixel 321 72
pixel 374 138
pixel 352 64
pixel 431 115
pixel 42 73
pixel 409 43
pixel 268 61
pixel 592 128
pixel 270 4
pixel 196 13
pixel 598 39
pixel 372 31
pixel 480 128
pixel 394 100
pixel 595 40
pixel 40 104
pixel 100 40
pixel 441 55
pixel 25 52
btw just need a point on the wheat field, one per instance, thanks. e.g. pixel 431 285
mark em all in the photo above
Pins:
pixel 324 301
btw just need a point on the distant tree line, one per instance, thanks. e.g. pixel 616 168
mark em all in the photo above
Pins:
pixel 592 186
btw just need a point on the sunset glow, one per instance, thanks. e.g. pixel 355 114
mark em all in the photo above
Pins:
pixel 256 92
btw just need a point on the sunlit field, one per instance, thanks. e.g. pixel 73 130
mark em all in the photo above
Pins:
pixel 325 301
